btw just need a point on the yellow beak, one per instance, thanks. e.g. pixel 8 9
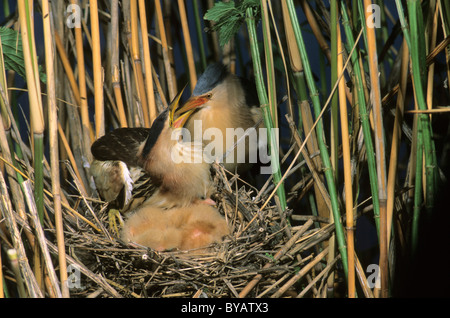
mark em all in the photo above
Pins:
pixel 179 122
pixel 182 119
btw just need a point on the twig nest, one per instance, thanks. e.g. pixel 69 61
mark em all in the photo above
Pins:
pixel 250 239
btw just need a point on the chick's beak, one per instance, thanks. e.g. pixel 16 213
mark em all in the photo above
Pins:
pixel 181 120
pixel 173 108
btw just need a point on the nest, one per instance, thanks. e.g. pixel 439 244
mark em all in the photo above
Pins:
pixel 264 256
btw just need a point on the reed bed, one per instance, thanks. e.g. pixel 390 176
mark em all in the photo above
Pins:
pixel 358 91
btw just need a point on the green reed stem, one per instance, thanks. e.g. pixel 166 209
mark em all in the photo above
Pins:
pixel 199 30
pixel 320 136
pixel 334 75
pixel 418 61
pixel 264 101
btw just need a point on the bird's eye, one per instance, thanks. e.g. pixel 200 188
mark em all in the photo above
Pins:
pixel 209 96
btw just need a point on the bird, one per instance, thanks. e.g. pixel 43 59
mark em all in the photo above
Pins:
pixel 230 104
pixel 135 165
pixel 184 228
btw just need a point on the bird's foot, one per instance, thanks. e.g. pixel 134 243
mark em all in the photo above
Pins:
pixel 113 215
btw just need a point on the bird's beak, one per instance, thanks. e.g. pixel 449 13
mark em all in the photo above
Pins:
pixel 173 108
pixel 182 119
pixel 192 104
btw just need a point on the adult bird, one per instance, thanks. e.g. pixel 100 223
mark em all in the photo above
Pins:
pixel 152 165
pixel 229 104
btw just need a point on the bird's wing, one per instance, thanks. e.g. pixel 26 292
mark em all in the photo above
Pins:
pixel 121 144
pixel 143 188
pixel 123 187
pixel 112 180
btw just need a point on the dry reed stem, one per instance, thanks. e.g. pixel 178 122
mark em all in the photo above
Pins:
pixel 26 271
pixel 41 238
pixel 294 54
pixel 301 273
pixel 322 198
pixel 151 105
pixel 138 74
pixel 115 69
pixel 88 135
pixel 362 279
pixel 67 67
pixel 171 82
pixel 396 137
pixel 54 159
pixel 64 202
pixel 68 149
pixel 14 185
pixel 97 70
pixel 270 68
pixel 283 58
pixel 323 273
pixel 375 93
pixel 347 171
pixel 276 257
pixel 188 44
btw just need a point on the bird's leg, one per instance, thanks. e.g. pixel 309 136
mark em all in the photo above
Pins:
pixel 114 214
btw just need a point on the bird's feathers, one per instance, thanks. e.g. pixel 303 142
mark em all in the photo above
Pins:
pixel 157 178
pixel 121 144
pixel 121 185
pixel 211 77
pixel 228 108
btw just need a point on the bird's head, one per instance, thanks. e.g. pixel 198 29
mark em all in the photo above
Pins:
pixel 163 124
pixel 209 85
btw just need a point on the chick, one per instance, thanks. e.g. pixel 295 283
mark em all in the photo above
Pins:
pixel 184 228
